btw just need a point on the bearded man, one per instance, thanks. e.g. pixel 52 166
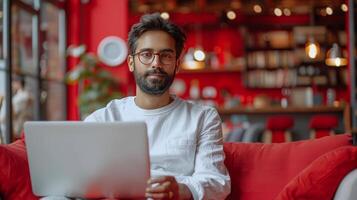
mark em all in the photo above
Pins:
pixel 185 138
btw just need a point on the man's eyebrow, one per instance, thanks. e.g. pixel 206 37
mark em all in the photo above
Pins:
pixel 161 50
pixel 145 49
pixel 167 50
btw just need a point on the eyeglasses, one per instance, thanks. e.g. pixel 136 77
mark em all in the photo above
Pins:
pixel 146 57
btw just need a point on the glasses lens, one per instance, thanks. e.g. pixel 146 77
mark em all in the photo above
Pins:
pixel 167 57
pixel 146 57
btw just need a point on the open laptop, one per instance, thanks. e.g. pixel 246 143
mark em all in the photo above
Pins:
pixel 88 159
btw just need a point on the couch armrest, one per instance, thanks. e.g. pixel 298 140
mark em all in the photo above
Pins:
pixel 347 188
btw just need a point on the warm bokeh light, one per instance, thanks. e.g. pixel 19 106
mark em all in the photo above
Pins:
pixel 278 12
pixel 334 57
pixel 323 12
pixel 287 11
pixel 344 7
pixel 199 55
pixel 193 65
pixel 312 50
pixel 165 15
pixel 231 15
pixel 329 10
pixel 336 62
pixel 257 8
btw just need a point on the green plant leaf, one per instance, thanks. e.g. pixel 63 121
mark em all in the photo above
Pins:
pixel 74 75
pixel 97 86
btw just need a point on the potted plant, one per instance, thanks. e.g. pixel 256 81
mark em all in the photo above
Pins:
pixel 96 85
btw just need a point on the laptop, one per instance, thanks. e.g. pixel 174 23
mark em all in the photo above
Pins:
pixel 88 159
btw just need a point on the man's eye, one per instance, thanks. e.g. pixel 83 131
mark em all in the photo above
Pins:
pixel 146 54
pixel 167 55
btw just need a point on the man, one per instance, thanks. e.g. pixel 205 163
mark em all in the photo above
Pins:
pixel 185 139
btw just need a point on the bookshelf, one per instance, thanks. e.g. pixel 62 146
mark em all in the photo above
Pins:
pixel 212 71
pixel 276 58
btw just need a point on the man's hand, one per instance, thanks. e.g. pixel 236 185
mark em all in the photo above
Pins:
pixel 166 187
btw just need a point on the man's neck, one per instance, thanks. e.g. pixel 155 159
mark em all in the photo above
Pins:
pixel 147 101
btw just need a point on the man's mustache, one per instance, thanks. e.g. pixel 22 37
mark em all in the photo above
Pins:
pixel 156 71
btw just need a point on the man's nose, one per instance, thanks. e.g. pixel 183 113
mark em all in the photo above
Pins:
pixel 156 61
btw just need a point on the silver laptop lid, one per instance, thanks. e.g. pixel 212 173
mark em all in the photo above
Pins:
pixel 88 159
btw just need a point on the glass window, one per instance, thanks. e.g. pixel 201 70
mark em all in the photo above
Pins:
pixel 52 60
pixel 26 100
pixel 23 88
pixel 2 105
pixel 52 63
pixel 53 100
pixel 22 43
pixel 1 35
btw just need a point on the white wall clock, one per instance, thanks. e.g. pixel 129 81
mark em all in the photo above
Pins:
pixel 112 51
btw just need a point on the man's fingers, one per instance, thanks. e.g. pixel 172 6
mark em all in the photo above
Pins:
pixel 164 187
pixel 157 195
pixel 160 179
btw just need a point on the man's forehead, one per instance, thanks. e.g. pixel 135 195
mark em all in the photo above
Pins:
pixel 156 40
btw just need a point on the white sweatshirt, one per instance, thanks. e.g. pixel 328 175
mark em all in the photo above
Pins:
pixel 185 141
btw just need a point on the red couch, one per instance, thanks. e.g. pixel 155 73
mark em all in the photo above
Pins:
pixel 304 170
pixel 310 169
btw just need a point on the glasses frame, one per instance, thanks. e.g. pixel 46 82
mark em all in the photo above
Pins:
pixel 153 58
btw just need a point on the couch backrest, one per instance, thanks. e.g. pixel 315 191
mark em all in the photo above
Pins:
pixel 14 172
pixel 260 171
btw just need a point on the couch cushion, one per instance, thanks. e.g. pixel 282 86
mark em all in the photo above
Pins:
pixel 322 177
pixel 14 172
pixel 261 171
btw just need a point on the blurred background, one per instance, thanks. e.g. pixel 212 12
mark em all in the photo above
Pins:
pixel 270 67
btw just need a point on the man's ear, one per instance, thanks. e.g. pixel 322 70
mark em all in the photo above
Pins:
pixel 130 61
pixel 178 65
pixel 179 61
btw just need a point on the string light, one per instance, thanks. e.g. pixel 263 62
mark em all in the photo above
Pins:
pixel 278 12
pixel 329 10
pixel 312 49
pixel 199 55
pixel 257 8
pixel 323 12
pixel 165 15
pixel 231 15
pixel 344 7
pixel 287 11
pixel 334 57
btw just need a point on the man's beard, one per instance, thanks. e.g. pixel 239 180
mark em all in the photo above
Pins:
pixel 154 86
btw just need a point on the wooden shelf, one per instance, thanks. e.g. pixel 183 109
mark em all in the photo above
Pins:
pixel 208 70
pixel 292 110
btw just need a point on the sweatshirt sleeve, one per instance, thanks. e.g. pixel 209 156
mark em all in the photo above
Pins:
pixel 96 116
pixel 210 179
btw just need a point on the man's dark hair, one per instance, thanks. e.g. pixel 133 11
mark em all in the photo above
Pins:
pixel 150 22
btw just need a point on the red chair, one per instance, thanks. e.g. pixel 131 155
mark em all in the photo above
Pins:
pixel 279 125
pixel 323 125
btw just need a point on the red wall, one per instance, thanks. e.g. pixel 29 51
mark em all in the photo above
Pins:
pixel 88 24
pixel 73 37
